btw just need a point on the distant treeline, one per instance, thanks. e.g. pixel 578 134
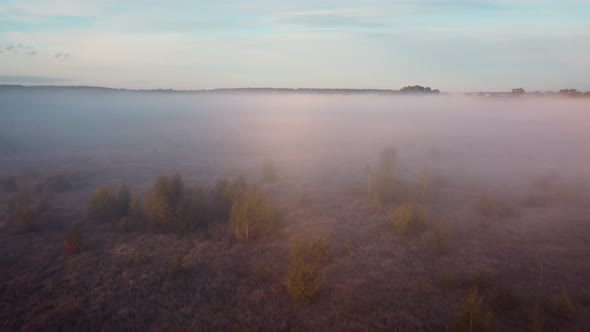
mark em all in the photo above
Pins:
pixel 406 90
pixel 522 92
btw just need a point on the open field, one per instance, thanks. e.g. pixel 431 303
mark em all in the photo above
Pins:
pixel 502 187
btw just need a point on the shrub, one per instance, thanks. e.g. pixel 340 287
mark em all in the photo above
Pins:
pixel 269 171
pixel 408 219
pixel 383 187
pixel 106 205
pixel 437 239
pixel 471 315
pixel 252 214
pixel 73 240
pixel 9 184
pixel 304 273
pixel 28 210
pixel 169 205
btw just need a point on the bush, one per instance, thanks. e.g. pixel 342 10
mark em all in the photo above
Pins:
pixel 9 184
pixel 169 205
pixel 106 205
pixel 252 214
pixel 408 219
pixel 269 171
pixel 304 273
pixel 383 189
pixel 471 315
pixel 28 211
pixel 73 240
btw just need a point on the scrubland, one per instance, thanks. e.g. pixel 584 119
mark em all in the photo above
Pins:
pixel 131 211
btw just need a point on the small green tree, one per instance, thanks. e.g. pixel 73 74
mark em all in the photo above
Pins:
pixel 252 214
pixel 471 316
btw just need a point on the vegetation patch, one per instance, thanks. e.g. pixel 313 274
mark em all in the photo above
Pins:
pixel 108 204
pixel 409 219
pixel 472 316
pixel 170 205
pixel 28 211
pixel 304 273
pixel 253 215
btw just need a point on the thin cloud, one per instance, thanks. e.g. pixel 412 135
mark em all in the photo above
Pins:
pixel 62 55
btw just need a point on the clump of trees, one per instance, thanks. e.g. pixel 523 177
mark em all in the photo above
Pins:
pixel 108 204
pixel 417 89
pixel 170 205
pixel 518 92
pixel 252 214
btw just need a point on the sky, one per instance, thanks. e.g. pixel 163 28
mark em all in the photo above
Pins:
pixel 452 45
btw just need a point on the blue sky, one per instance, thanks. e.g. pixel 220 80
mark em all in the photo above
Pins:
pixel 453 45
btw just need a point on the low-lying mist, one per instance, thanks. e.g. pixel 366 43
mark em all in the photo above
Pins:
pixel 145 133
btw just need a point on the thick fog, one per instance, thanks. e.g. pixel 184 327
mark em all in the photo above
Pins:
pixel 134 136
